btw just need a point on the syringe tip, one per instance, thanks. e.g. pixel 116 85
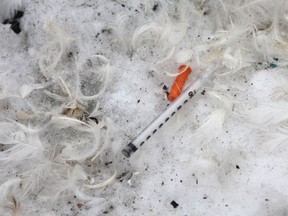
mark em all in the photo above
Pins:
pixel 126 153
pixel 129 149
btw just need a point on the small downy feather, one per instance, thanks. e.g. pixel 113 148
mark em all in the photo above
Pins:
pixel 211 127
pixel 268 114
pixel 51 53
pixel 164 31
pixel 103 76
pixel 25 142
pixel 72 185
pixel 28 147
pixel 38 173
pixel 83 149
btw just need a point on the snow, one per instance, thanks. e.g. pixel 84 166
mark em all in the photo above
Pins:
pixel 127 50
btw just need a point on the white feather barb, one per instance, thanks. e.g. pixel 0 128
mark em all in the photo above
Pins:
pixel 61 121
pixel 26 89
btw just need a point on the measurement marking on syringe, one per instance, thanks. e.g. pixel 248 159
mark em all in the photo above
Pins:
pixel 191 94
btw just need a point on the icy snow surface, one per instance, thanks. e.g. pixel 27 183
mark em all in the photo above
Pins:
pixel 223 153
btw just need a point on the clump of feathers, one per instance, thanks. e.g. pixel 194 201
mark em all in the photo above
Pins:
pixel 51 158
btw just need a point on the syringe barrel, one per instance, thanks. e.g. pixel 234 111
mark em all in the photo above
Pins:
pixel 165 116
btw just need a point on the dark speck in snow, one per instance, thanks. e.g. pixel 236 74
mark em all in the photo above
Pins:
pixel 237 167
pixel 6 21
pixel 174 204
pixel 18 14
pixel 155 7
pixel 15 26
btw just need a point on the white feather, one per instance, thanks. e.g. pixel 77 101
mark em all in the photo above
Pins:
pixel 83 149
pixel 228 102
pixel 211 127
pixel 104 72
pixel 51 53
pixel 65 187
pixel 165 32
pixel 29 146
pixel 39 173
pixel 268 114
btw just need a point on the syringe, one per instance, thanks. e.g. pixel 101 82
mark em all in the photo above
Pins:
pixel 164 117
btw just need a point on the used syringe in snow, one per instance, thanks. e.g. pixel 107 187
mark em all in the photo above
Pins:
pixel 164 117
